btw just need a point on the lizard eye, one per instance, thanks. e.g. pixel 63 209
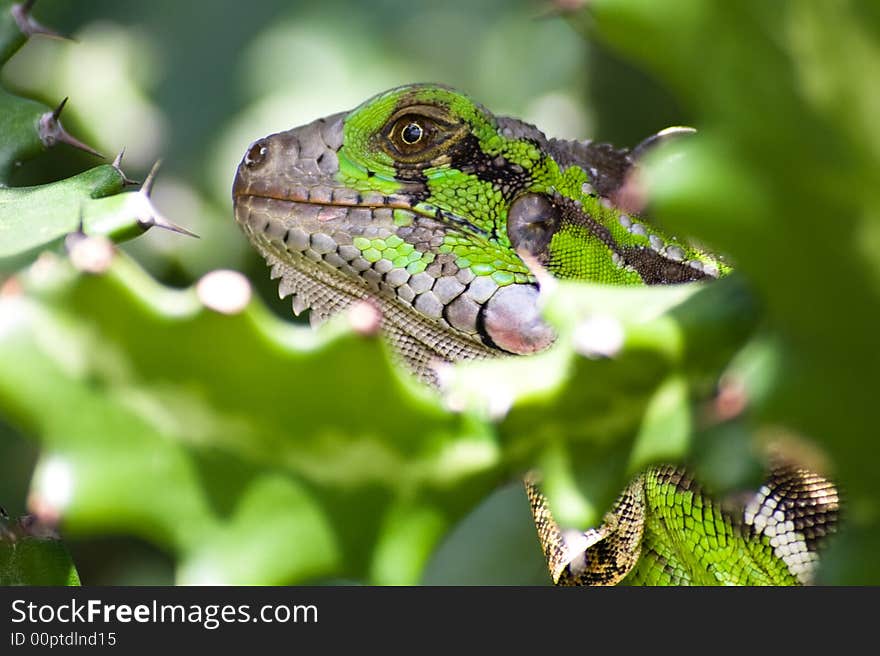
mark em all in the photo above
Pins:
pixel 412 133
pixel 419 134
pixel 532 221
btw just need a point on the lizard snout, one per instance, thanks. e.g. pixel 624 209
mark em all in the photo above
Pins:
pixel 291 165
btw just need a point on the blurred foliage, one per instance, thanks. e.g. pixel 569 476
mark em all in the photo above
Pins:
pixel 198 457
pixel 786 179
pixel 247 449
pixel 233 442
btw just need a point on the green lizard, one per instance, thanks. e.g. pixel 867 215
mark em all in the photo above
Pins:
pixel 424 204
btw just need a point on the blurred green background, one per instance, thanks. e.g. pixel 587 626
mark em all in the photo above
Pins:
pixel 784 179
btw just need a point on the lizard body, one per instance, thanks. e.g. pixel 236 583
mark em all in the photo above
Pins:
pixel 425 204
pixel 664 530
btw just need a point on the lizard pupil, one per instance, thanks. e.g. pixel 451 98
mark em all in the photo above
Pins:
pixel 412 133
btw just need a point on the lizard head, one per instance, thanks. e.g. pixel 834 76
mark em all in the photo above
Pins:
pixel 399 202
pixel 425 203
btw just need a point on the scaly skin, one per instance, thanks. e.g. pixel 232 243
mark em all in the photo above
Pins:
pixel 423 203
pixel 663 530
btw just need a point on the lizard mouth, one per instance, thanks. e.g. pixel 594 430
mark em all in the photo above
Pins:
pixel 315 203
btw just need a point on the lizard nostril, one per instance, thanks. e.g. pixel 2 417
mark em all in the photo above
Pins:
pixel 256 154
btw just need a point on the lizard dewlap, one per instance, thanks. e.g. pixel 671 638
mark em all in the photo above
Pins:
pixel 422 201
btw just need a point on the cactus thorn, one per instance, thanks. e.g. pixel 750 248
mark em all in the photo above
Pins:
pixel 73 238
pixel 56 113
pixel 64 137
pixel 157 221
pixel 147 186
pixel 117 164
pixel 28 26
pixel 51 131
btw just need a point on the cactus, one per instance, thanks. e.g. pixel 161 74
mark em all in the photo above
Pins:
pixel 213 429
pixel 33 219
